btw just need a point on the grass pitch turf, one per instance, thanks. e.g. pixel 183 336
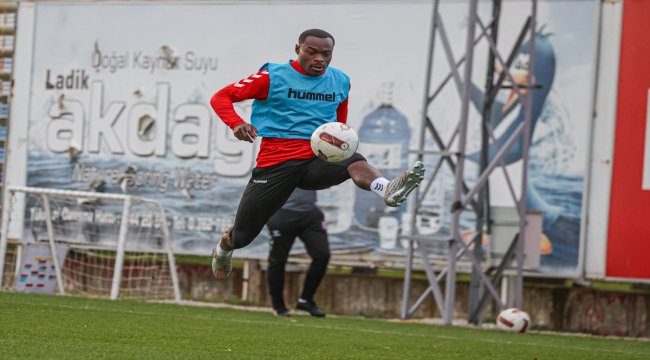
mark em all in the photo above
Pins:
pixel 40 326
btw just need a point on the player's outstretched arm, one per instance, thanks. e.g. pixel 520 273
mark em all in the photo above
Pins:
pixel 255 87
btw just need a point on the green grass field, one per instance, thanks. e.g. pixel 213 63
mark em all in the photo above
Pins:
pixel 39 326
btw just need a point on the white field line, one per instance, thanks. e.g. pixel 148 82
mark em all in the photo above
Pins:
pixel 294 323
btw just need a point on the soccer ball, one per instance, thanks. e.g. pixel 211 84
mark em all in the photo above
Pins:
pixel 334 141
pixel 513 320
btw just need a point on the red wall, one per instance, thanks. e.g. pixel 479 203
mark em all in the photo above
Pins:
pixel 628 245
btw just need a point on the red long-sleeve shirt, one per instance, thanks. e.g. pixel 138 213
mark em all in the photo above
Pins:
pixel 272 150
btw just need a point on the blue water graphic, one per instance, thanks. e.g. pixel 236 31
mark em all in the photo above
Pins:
pixel 222 201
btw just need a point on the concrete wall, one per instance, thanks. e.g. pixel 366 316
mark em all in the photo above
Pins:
pixel 551 305
pixel 608 313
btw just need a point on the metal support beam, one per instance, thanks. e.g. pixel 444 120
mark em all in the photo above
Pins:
pixel 430 289
pixel 483 215
pixel 460 162
pixel 407 281
pixel 437 293
pixel 477 196
pixel 524 162
pixel 496 278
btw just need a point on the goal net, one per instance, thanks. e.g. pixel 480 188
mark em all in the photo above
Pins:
pixel 99 245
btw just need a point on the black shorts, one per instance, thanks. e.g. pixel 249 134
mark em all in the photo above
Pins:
pixel 270 187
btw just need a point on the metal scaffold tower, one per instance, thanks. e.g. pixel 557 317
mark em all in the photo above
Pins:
pixel 453 153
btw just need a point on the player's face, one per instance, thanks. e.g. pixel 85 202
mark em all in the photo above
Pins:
pixel 315 54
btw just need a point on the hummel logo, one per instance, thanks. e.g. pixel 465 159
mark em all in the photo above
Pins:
pixel 259 181
pixel 308 95
pixel 379 187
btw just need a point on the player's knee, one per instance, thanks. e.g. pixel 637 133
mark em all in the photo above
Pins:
pixel 322 257
pixel 275 262
pixel 356 157
pixel 240 239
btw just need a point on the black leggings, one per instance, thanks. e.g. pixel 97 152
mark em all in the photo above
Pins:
pixel 284 227
pixel 270 187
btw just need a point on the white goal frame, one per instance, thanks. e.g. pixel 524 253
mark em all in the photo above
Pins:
pixel 127 200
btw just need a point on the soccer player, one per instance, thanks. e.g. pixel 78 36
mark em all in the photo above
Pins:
pixel 299 217
pixel 290 101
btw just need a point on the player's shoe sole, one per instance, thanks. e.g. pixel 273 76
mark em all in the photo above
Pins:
pixel 400 187
pixel 221 265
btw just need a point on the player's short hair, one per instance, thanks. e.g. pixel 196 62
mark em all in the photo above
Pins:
pixel 315 33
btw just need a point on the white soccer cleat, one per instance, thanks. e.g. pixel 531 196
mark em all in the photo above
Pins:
pixel 222 265
pixel 400 187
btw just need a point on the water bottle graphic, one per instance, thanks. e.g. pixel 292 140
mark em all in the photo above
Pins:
pixel 384 138
pixel 336 206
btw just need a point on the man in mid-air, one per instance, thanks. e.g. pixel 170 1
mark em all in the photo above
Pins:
pixel 285 119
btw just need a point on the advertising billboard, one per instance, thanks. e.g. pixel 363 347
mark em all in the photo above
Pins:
pixel 629 228
pixel 126 88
